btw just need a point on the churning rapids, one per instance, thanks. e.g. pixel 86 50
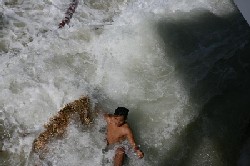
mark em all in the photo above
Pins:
pixel 181 66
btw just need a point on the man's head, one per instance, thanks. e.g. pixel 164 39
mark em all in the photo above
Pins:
pixel 122 111
pixel 121 114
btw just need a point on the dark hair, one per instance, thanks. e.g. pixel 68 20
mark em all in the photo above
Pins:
pixel 121 111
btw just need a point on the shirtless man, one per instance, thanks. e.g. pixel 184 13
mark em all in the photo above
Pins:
pixel 117 131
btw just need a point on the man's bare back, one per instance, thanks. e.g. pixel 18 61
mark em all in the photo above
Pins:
pixel 117 131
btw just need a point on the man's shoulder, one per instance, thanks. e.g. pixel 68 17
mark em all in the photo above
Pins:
pixel 108 117
pixel 126 127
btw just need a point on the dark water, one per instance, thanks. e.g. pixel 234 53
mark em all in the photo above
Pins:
pixel 223 118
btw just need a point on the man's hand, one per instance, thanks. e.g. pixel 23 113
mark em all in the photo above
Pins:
pixel 139 153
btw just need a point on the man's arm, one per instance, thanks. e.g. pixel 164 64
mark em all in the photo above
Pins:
pixel 106 115
pixel 131 140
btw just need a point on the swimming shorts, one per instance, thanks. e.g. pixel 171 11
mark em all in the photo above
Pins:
pixel 109 151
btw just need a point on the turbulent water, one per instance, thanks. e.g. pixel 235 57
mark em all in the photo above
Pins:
pixel 180 66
